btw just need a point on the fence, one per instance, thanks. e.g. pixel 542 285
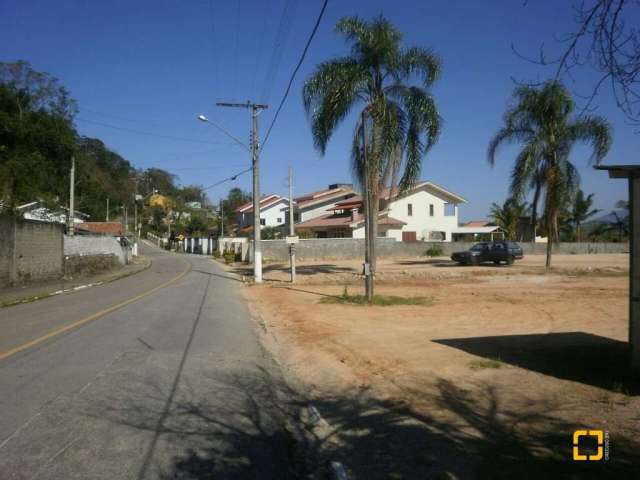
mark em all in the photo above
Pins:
pixel 347 248
pixel 195 245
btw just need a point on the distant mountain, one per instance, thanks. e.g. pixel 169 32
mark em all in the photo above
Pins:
pixel 611 217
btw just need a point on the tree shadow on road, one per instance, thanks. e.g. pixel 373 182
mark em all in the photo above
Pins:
pixel 247 424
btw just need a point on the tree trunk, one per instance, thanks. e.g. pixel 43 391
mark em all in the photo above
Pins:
pixel 534 211
pixel 366 197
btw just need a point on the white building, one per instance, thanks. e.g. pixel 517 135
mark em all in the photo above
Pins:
pixel 427 212
pixel 272 213
pixel 317 204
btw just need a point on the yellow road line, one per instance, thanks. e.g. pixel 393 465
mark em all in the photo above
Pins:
pixel 88 319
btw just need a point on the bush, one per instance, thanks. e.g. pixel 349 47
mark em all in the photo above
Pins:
pixel 229 257
pixel 216 253
pixel 434 251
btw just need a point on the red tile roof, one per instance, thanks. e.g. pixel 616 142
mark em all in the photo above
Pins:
pixel 477 223
pixel 322 196
pixel 333 220
pixel 109 228
pixel 265 202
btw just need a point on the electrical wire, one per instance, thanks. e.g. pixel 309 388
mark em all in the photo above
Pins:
pixel 228 179
pixel 150 134
pixel 295 71
pixel 282 35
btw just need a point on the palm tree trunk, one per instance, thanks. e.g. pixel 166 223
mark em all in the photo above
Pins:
pixel 534 211
pixel 366 197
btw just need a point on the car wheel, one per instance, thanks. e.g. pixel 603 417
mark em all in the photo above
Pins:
pixel 496 262
pixel 510 260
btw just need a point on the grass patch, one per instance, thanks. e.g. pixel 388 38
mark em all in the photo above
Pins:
pixel 488 363
pixel 378 300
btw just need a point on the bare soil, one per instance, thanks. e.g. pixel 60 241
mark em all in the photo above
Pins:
pixel 489 381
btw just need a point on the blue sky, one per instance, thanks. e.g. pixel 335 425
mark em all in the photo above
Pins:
pixel 152 66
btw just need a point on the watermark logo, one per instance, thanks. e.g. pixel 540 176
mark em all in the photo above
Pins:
pixel 581 450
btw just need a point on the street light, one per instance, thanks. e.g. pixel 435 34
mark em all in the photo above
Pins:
pixel 204 119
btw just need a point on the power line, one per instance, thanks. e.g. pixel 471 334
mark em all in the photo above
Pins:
pixel 295 71
pixel 151 134
pixel 228 179
pixel 282 35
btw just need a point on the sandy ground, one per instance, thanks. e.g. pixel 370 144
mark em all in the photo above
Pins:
pixel 489 381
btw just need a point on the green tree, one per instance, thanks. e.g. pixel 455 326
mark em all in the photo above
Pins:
pixel 235 198
pixel 196 226
pixel 581 211
pixel 399 121
pixel 508 216
pixel 542 121
pixel 35 150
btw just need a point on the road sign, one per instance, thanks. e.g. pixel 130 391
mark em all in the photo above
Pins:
pixel 292 239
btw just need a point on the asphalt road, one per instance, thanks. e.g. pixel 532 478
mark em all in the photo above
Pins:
pixel 173 384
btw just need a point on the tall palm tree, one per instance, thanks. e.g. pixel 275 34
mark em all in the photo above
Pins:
pixel 581 211
pixel 398 123
pixel 542 121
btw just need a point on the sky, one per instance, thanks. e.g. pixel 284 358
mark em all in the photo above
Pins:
pixel 143 70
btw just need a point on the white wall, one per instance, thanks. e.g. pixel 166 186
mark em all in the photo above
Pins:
pixel 95 245
pixel 270 215
pixel 421 222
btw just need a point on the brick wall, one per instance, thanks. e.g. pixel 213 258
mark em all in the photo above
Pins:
pixel 6 249
pixel 30 250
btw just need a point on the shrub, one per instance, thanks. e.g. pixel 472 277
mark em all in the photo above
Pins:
pixel 229 257
pixel 434 251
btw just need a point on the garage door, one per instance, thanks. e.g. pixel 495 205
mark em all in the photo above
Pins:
pixel 409 237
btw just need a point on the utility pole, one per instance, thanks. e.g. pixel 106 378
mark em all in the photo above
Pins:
pixel 292 233
pixel 72 184
pixel 221 218
pixel 107 209
pixel 255 162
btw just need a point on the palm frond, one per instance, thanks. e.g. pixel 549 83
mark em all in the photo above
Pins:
pixel 329 94
pixel 422 62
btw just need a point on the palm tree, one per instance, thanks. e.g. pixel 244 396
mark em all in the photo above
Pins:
pixel 398 123
pixel 508 215
pixel 581 212
pixel 542 121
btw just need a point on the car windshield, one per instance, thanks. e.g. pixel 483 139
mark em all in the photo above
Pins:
pixel 479 247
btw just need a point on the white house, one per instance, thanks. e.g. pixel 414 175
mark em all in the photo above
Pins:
pixel 317 204
pixel 272 213
pixel 427 212
pixel 37 211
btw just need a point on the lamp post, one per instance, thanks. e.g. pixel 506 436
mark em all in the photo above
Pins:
pixel 254 151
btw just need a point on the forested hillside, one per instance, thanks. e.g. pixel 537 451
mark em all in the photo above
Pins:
pixel 38 139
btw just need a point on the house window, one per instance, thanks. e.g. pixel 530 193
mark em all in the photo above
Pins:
pixel 409 209
pixel 449 210
pixel 431 210
pixel 279 219
pixel 296 216
pixel 263 221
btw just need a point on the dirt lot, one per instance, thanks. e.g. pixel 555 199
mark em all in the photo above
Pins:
pixel 489 381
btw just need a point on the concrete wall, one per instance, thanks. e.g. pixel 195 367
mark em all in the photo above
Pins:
pixel 96 245
pixel 7 238
pixel 89 264
pixel 345 248
pixel 30 250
